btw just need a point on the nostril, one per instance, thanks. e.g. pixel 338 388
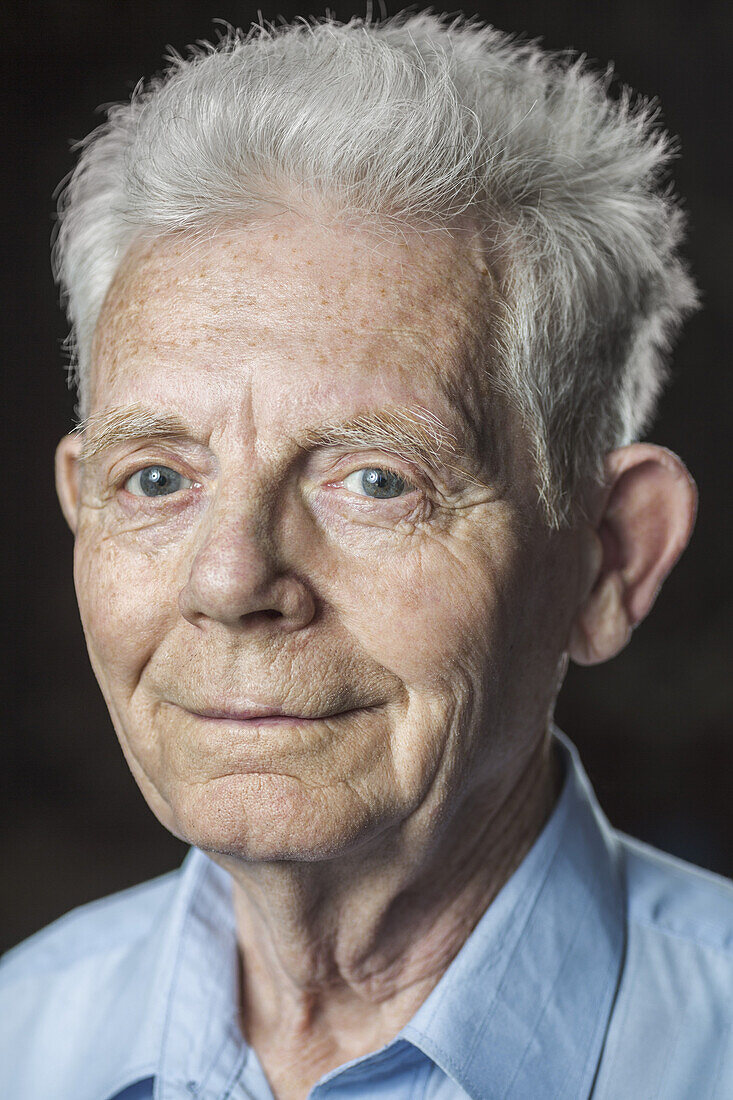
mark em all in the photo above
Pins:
pixel 264 615
pixel 237 596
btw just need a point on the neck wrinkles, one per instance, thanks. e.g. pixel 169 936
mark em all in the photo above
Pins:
pixel 352 948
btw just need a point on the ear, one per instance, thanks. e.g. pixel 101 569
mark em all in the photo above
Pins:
pixel 68 478
pixel 643 524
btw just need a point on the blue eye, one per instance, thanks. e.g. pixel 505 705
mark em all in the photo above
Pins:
pixel 376 482
pixel 156 481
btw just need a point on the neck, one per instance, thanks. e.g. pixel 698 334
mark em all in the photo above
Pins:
pixel 339 955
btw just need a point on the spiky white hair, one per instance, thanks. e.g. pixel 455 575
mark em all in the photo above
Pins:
pixel 417 119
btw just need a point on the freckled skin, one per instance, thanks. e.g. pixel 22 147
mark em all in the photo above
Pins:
pixel 442 617
pixel 233 335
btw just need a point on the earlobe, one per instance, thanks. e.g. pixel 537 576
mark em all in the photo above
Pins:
pixel 644 524
pixel 68 478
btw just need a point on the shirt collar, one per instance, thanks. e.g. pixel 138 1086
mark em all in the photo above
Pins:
pixel 521 1011
pixel 202 1048
pixel 176 995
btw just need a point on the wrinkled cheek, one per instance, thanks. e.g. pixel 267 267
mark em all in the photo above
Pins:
pixel 430 628
pixel 120 608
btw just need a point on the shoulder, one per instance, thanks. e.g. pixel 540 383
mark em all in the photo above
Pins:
pixel 674 899
pixel 108 925
pixel 671 1029
pixel 72 997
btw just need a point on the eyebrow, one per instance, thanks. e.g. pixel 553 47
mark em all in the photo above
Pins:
pixel 406 432
pixel 101 431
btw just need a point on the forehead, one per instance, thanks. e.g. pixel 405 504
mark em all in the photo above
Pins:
pixel 291 299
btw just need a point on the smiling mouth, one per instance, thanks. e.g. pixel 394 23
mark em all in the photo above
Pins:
pixel 261 716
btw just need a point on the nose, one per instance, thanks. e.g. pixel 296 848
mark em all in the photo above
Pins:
pixel 237 579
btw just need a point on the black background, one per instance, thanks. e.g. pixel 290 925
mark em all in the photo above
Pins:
pixel 653 726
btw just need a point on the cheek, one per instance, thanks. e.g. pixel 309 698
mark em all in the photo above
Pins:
pixel 433 608
pixel 123 602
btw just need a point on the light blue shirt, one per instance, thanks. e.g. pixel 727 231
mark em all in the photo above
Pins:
pixel 603 968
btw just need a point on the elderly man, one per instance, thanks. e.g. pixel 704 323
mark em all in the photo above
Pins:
pixel 368 321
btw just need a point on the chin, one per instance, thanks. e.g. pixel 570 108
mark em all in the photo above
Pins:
pixel 266 818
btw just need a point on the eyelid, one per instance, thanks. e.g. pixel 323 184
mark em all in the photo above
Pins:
pixel 349 462
pixel 124 468
pixel 183 458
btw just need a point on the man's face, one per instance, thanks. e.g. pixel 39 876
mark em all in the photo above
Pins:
pixel 316 592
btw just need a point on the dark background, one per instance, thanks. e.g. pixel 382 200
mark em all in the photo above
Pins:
pixel 653 726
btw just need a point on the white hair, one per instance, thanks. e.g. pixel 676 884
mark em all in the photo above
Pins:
pixel 417 119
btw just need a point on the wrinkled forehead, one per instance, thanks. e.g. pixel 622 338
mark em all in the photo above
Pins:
pixel 417 304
